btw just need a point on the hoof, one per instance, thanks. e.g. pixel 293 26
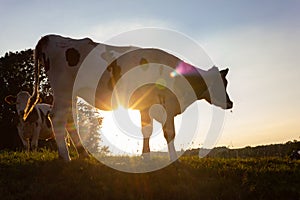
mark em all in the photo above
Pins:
pixel 82 152
pixel 176 163
pixel 65 159
pixel 146 157
pixel 84 155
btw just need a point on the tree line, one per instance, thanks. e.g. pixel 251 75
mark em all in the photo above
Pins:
pixel 273 150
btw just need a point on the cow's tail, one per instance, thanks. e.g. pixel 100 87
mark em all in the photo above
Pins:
pixel 33 100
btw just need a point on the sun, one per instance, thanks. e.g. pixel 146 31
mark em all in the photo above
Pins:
pixel 133 115
pixel 121 131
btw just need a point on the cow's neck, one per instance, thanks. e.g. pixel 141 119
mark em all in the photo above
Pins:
pixel 198 87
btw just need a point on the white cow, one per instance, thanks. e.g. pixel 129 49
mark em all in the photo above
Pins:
pixel 36 126
pixel 100 69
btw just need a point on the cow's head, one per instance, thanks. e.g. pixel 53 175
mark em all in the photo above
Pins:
pixel 216 93
pixel 20 101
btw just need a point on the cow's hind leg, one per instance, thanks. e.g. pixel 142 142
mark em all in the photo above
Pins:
pixel 147 128
pixel 59 122
pixel 169 133
pixel 75 137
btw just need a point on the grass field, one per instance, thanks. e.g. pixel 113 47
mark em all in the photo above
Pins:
pixel 41 175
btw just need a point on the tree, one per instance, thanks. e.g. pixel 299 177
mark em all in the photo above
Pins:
pixel 89 125
pixel 16 74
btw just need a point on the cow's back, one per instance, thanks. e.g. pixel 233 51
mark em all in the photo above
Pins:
pixel 64 57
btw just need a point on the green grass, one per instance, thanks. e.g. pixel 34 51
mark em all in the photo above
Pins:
pixel 41 175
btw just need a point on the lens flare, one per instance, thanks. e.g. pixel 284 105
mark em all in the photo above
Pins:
pixel 183 68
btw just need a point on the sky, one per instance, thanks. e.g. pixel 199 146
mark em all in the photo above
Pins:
pixel 259 41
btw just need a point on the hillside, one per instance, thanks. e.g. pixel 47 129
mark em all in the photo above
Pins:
pixel 273 150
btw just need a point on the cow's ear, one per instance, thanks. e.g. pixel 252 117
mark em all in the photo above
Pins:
pixel 224 72
pixel 10 99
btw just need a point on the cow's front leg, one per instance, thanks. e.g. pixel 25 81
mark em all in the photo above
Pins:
pixel 169 133
pixel 35 138
pixel 25 141
pixel 147 128
pixel 26 145
pixel 58 123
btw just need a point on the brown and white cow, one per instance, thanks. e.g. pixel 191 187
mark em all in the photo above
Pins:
pixel 110 76
pixel 36 126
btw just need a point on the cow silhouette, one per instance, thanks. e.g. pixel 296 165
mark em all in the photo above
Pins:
pixel 158 84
